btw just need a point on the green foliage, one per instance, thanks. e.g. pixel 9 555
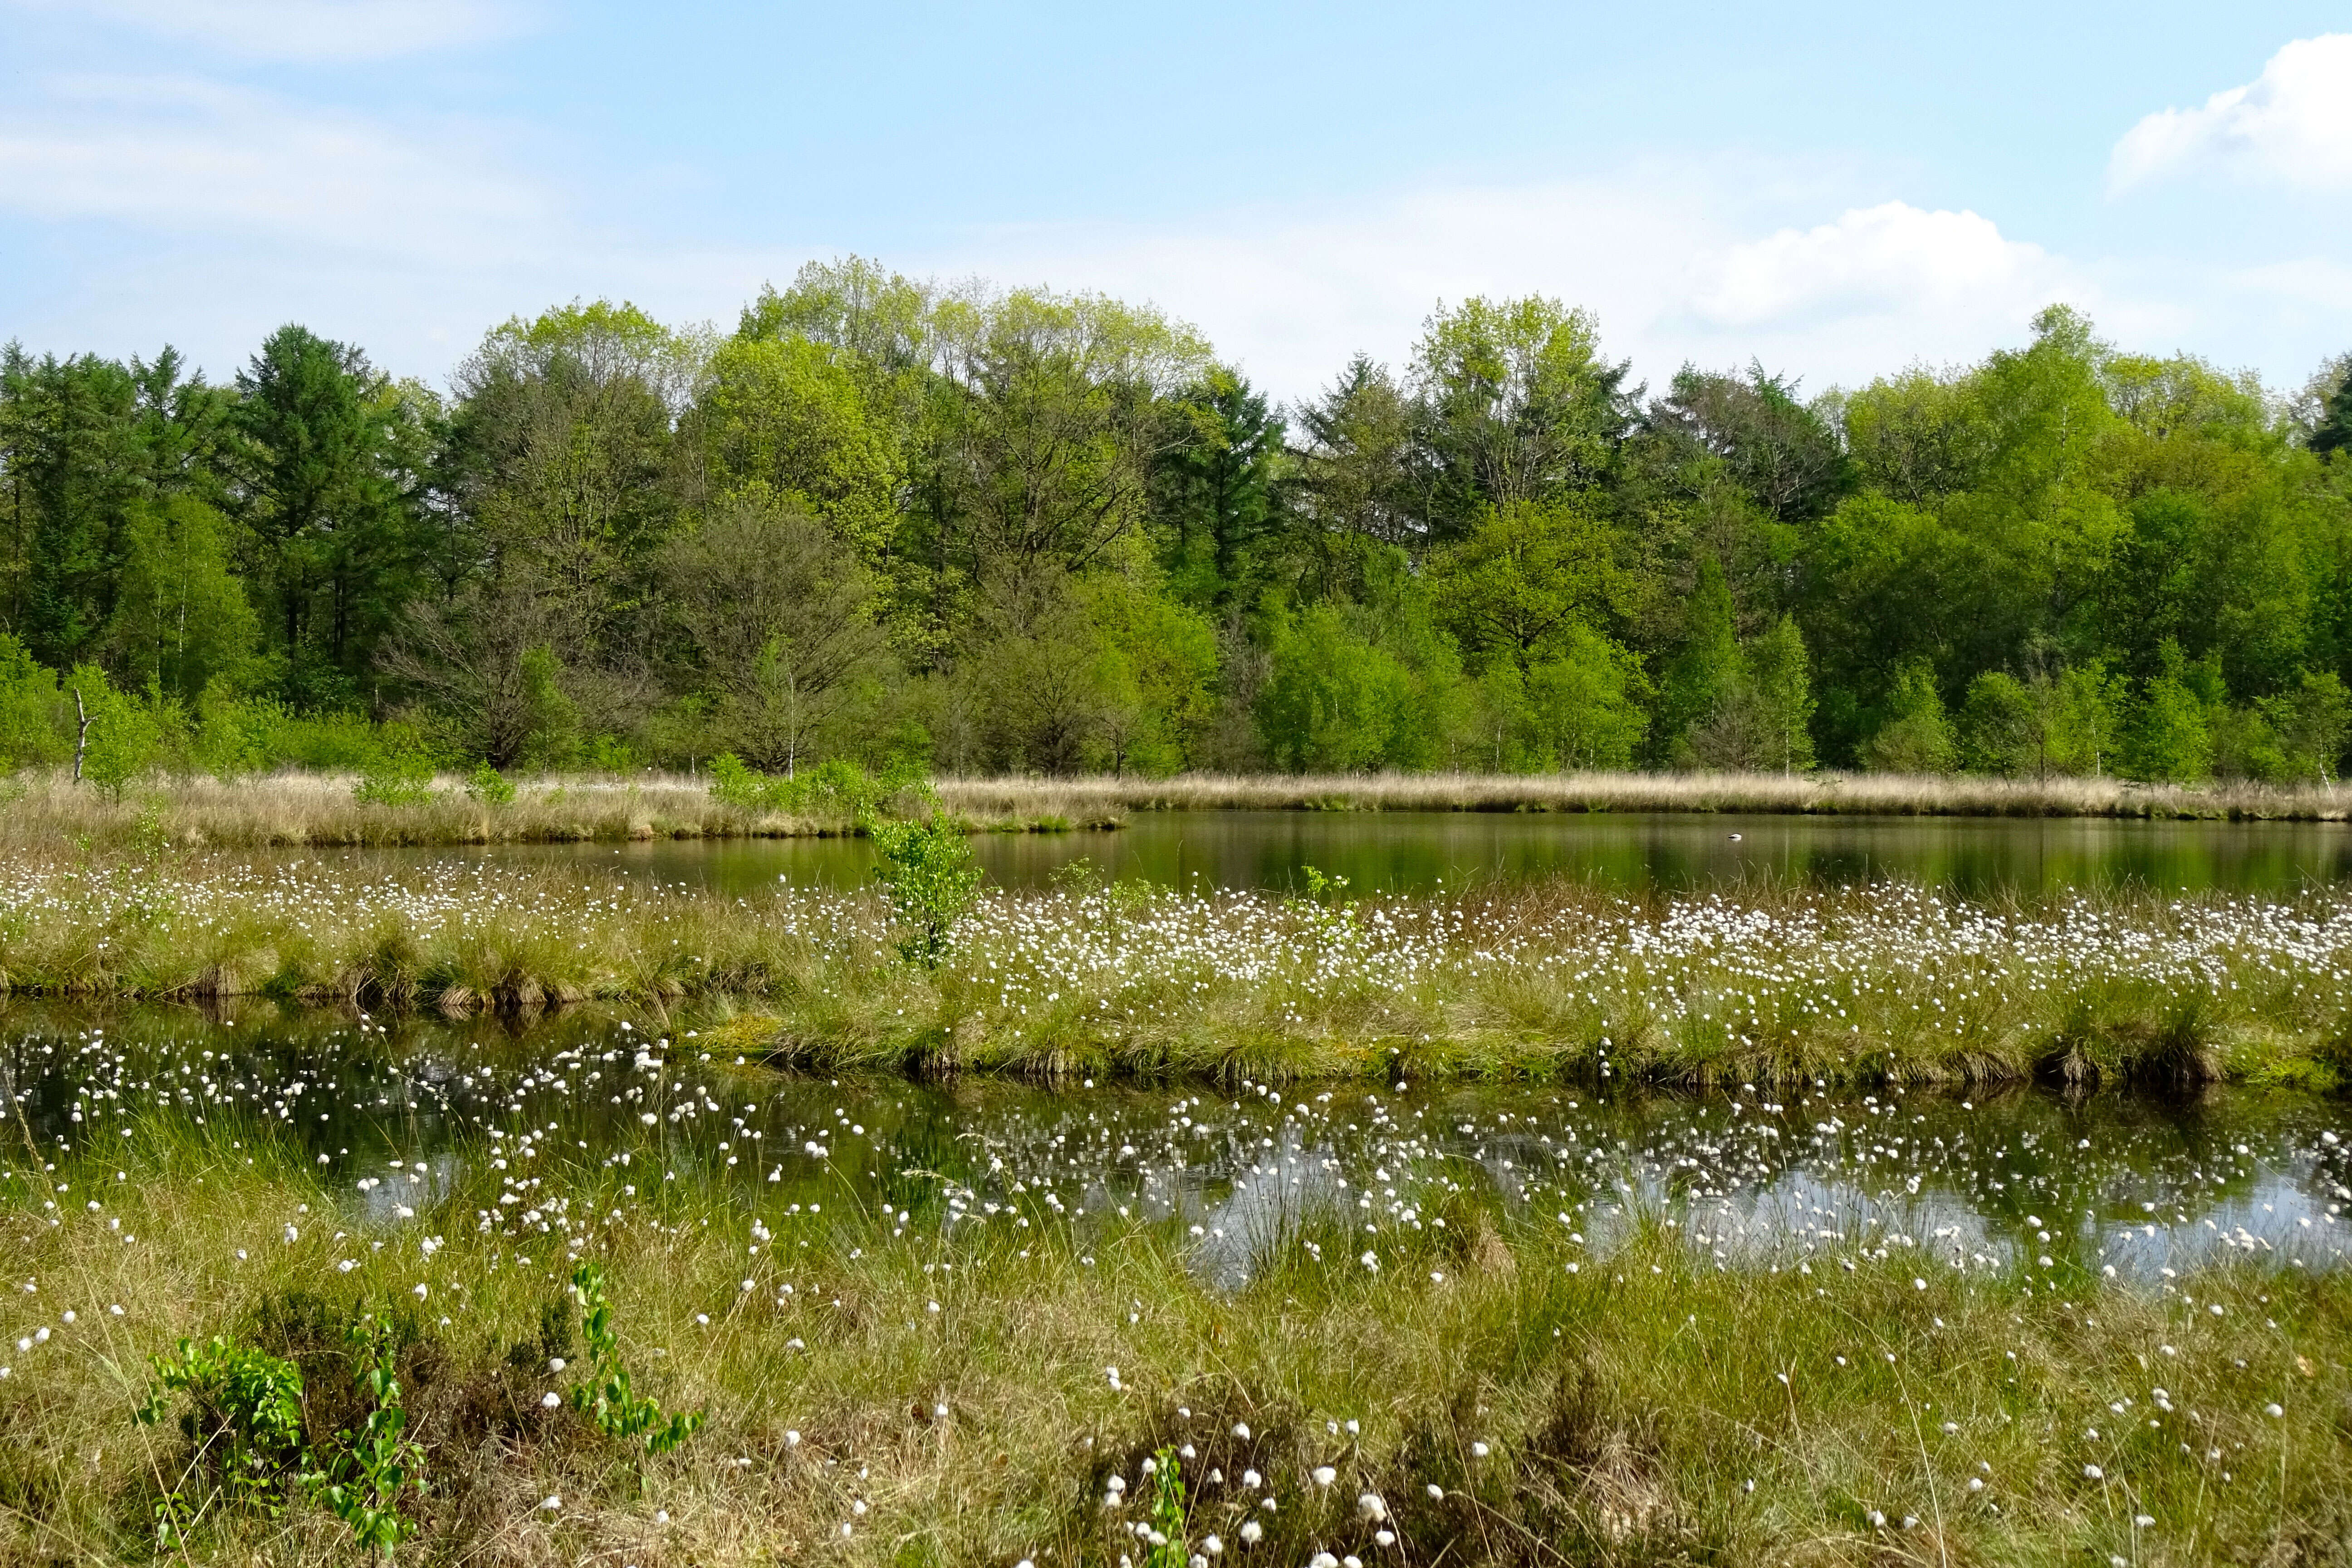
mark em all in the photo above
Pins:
pixel 794 418
pixel 1165 1513
pixel 1528 578
pixel 125 738
pixel 1353 690
pixel 244 1427
pixel 1579 707
pixel 834 788
pixel 1044 533
pixel 2332 434
pixel 1761 719
pixel 2045 726
pixel 373 1469
pixel 1521 406
pixel 2171 735
pixel 1707 665
pixel 1219 496
pixel 606 1397
pixel 36 715
pixel 1915 736
pixel 551 718
pixel 332 533
pixel 927 869
pixel 1156 665
pixel 181 621
pixel 400 774
pixel 487 786
pixel 1332 916
pixel 2312 722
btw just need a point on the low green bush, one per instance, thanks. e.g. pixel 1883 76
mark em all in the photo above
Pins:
pixel 830 788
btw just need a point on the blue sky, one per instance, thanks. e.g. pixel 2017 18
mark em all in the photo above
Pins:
pixel 1837 194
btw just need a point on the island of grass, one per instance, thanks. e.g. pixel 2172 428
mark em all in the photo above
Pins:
pixel 1542 981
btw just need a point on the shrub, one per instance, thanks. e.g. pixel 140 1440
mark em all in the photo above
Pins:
pixel 400 774
pixel 246 1425
pixel 36 718
pixel 125 736
pixel 837 787
pixel 487 786
pixel 927 868
pixel 606 1398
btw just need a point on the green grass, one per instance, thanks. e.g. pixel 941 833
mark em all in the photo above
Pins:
pixel 953 1380
pixel 1546 982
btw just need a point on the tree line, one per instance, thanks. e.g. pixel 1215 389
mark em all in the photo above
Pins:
pixel 885 521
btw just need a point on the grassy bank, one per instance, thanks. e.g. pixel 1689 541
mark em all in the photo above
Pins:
pixel 1544 982
pixel 943 1380
pixel 296 810
pixel 321 810
pixel 1821 793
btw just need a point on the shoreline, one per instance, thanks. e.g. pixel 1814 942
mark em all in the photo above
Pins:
pixel 1824 794
pixel 301 810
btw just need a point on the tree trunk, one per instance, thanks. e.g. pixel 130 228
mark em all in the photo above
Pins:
pixel 81 734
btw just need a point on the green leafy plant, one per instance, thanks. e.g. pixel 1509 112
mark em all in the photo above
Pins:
pixel 246 1421
pixel 487 786
pixel 1332 917
pixel 835 787
pixel 1121 898
pixel 400 775
pixel 1167 1517
pixel 606 1398
pixel 122 737
pixel 377 1464
pixel 927 869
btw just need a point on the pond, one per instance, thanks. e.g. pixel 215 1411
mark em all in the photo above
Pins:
pixel 1418 851
pixel 392 1113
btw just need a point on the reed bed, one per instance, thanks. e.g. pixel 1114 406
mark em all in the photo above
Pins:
pixel 1552 981
pixel 296 810
pixel 1816 793
pixel 943 1379
pixel 299 810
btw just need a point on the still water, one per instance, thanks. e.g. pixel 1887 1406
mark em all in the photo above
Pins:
pixel 394 1113
pixel 1416 851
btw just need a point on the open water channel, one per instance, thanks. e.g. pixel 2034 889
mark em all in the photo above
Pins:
pixel 1405 852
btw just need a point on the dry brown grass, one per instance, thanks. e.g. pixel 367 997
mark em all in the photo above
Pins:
pixel 289 810
pixel 1822 794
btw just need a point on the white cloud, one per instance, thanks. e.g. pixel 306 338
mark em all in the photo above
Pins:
pixel 1892 257
pixel 180 156
pixel 1681 263
pixel 2291 125
pixel 319 30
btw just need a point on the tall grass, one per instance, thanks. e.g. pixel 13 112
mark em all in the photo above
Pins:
pixel 295 809
pixel 1543 981
pixel 1827 793
pixel 325 811
pixel 941 1389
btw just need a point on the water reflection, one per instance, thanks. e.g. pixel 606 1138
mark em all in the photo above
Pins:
pixel 397 1113
pixel 1407 851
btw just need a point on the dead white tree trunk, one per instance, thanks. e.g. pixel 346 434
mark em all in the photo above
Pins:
pixel 81 735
